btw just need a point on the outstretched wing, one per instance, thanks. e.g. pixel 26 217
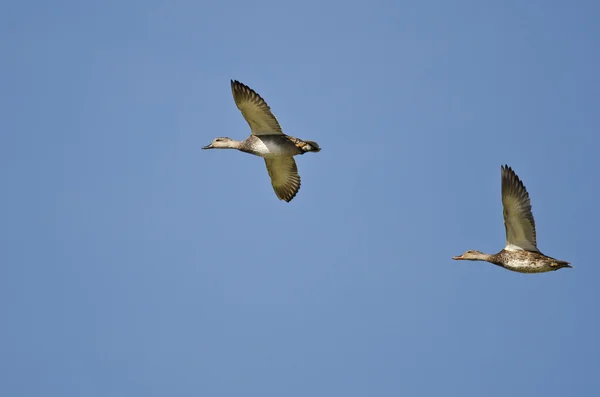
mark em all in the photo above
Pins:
pixel 518 219
pixel 255 110
pixel 284 176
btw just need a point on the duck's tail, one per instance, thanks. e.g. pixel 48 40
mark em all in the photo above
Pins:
pixel 308 146
pixel 305 146
pixel 311 146
pixel 560 264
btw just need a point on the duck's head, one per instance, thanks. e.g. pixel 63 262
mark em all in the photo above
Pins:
pixel 222 143
pixel 471 255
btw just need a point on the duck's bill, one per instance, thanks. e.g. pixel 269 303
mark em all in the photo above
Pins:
pixel 458 258
pixel 207 146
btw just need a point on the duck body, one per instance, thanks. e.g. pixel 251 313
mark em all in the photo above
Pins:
pixel 527 262
pixel 277 145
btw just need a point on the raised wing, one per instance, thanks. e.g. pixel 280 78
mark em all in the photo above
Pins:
pixel 284 176
pixel 518 219
pixel 255 110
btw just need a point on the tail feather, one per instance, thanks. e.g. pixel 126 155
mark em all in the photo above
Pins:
pixel 560 264
pixel 311 146
pixel 305 146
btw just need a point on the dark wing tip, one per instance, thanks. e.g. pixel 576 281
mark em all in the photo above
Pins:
pixel 237 86
pixel 236 83
pixel 242 92
pixel 292 190
pixel 507 170
pixel 511 179
pixel 287 193
pixel 290 197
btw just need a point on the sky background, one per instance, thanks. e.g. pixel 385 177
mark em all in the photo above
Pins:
pixel 135 264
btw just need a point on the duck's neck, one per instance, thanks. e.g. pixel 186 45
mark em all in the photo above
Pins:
pixel 484 257
pixel 232 144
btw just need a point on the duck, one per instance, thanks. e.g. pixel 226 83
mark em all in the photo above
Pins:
pixel 268 141
pixel 521 253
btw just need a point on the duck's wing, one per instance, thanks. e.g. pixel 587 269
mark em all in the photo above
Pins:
pixel 255 110
pixel 284 176
pixel 518 219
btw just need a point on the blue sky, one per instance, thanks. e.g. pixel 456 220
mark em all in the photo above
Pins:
pixel 136 264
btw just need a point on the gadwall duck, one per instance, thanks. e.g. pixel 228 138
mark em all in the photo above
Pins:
pixel 521 253
pixel 268 141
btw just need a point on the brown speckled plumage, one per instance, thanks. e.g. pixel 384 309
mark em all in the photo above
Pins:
pixel 521 253
pixel 526 261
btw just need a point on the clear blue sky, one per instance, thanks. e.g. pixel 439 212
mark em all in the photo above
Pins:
pixel 135 264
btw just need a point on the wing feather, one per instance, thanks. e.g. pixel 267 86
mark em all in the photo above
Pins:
pixel 518 218
pixel 284 176
pixel 255 110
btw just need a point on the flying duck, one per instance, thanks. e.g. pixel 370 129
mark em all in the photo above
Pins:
pixel 521 253
pixel 268 141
